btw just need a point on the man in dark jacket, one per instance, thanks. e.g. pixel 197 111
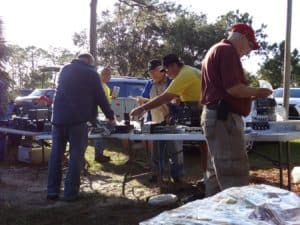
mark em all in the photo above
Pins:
pixel 78 94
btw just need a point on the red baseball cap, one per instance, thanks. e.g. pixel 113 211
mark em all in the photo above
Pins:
pixel 247 31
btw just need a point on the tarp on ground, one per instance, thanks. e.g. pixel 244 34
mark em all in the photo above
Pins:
pixel 248 205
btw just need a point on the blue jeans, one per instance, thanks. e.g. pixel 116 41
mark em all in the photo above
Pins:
pixel 170 151
pixel 77 136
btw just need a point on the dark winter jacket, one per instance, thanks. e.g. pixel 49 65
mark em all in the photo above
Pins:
pixel 78 94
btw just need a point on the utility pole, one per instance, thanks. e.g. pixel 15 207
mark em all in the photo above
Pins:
pixel 287 59
pixel 93 30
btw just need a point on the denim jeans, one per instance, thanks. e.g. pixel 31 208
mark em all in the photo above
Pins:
pixel 77 136
pixel 170 151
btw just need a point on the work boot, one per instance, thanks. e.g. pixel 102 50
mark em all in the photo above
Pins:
pixel 52 197
pixel 102 159
pixel 153 179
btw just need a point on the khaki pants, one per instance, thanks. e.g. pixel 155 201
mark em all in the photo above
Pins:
pixel 227 158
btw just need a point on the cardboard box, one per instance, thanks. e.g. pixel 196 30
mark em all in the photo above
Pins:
pixel 33 155
pixel 117 105
pixel 130 104
pixel 122 105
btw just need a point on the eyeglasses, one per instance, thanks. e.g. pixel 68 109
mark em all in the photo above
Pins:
pixel 163 71
pixel 251 45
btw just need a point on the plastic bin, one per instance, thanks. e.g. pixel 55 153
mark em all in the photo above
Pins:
pixel 33 155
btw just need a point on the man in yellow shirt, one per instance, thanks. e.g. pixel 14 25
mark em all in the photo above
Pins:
pixel 186 85
pixel 105 76
pixel 186 82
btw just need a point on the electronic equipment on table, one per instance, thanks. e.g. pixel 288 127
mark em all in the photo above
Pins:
pixel 150 128
pixel 188 114
pixel 37 120
pixel 104 128
pixel 158 128
pixel 263 113
pixel 186 120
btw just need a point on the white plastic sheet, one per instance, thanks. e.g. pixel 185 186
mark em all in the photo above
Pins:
pixel 253 204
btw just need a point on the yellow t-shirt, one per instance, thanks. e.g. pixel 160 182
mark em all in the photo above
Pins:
pixel 107 92
pixel 187 84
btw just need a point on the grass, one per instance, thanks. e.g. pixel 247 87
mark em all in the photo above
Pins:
pixel 270 150
pixel 92 208
pixel 114 152
pixel 87 211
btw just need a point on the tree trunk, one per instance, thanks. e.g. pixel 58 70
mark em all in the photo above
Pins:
pixel 93 30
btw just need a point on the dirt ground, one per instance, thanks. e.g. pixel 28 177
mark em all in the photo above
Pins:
pixel 23 189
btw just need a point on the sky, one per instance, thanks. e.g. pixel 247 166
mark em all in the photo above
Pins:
pixel 45 23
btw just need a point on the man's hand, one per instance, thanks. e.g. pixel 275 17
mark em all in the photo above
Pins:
pixel 263 92
pixel 153 103
pixel 140 100
pixel 112 122
pixel 176 101
pixel 138 111
pixel 243 91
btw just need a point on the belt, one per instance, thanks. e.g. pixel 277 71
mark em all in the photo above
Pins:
pixel 212 107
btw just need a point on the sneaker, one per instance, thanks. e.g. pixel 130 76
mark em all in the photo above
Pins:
pixel 102 159
pixel 153 179
pixel 177 180
pixel 193 197
pixel 70 199
pixel 52 197
pixel 201 185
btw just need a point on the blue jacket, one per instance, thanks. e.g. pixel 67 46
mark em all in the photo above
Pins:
pixel 148 86
pixel 78 94
pixel 146 94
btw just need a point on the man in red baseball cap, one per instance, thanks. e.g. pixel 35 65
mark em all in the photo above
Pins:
pixel 248 32
pixel 227 97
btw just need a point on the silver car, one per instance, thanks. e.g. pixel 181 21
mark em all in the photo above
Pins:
pixel 39 98
pixel 294 101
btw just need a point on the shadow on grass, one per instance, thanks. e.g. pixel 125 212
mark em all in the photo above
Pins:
pixel 121 165
pixel 92 208
pixel 141 166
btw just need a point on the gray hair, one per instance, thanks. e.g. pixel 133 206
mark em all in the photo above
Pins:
pixel 87 57
pixel 106 70
pixel 234 36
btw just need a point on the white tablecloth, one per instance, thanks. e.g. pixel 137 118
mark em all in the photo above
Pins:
pixel 265 136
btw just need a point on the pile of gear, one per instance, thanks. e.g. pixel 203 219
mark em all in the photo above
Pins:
pixel 263 113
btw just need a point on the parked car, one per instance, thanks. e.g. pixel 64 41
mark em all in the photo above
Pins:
pixel 24 92
pixel 294 101
pixel 129 86
pixel 38 98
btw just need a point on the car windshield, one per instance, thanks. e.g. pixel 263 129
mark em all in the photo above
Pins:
pixel 24 92
pixel 294 93
pixel 38 92
pixel 128 88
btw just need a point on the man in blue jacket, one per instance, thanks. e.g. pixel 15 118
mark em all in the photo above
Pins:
pixel 78 94
pixel 161 151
